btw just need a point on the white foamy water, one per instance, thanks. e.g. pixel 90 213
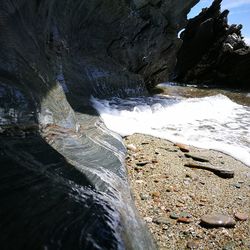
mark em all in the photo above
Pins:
pixel 213 122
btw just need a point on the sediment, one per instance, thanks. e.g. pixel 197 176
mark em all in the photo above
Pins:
pixel 174 200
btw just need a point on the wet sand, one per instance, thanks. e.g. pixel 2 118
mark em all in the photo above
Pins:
pixel 172 198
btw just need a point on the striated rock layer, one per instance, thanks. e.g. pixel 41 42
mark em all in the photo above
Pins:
pixel 213 52
pixel 63 180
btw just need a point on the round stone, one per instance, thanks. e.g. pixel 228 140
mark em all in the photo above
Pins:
pixel 217 220
pixel 241 216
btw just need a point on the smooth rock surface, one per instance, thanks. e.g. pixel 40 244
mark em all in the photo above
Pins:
pixel 218 220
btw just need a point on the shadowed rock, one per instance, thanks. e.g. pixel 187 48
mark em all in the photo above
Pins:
pixel 63 182
pixel 213 52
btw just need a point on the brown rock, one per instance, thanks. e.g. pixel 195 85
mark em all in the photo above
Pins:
pixel 156 194
pixel 241 216
pixel 184 220
pixel 217 220
pixel 182 147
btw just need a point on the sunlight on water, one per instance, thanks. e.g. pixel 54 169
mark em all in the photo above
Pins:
pixel 212 122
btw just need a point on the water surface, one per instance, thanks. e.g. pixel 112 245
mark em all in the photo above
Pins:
pixel 205 118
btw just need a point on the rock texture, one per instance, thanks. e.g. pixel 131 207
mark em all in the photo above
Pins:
pixel 213 52
pixel 63 182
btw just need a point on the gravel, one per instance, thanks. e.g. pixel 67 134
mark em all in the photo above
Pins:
pixel 164 187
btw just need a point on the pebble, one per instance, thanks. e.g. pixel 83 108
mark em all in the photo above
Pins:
pixel 217 220
pixel 192 245
pixel 241 216
pixel 184 220
pixel 148 219
pixel 144 196
pixel 174 216
pixel 139 181
pixel 162 220
pixel 132 147
pixel 156 194
pixel 142 163
pixel 182 147
pixel 237 185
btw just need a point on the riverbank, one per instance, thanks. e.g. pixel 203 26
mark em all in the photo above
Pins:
pixel 172 198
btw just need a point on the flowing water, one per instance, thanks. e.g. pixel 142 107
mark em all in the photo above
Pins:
pixel 206 118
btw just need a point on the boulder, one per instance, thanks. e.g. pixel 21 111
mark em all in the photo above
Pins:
pixel 213 52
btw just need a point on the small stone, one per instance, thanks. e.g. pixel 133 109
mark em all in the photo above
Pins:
pixel 184 220
pixel 132 147
pixel 156 194
pixel 241 216
pixel 217 220
pixel 142 163
pixel 144 196
pixel 237 185
pixel 154 161
pixel 182 147
pixel 174 216
pixel 192 245
pixel 162 220
pixel 148 219
pixel 139 181
pixel 179 205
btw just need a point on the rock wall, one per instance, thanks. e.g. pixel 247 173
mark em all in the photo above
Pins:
pixel 63 180
pixel 213 52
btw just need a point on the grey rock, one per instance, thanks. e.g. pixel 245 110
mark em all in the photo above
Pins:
pixel 217 220
pixel 162 220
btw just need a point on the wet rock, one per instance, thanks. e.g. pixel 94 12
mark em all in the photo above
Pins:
pixel 217 220
pixel 241 216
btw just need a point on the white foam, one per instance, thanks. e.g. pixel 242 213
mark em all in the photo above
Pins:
pixel 211 122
